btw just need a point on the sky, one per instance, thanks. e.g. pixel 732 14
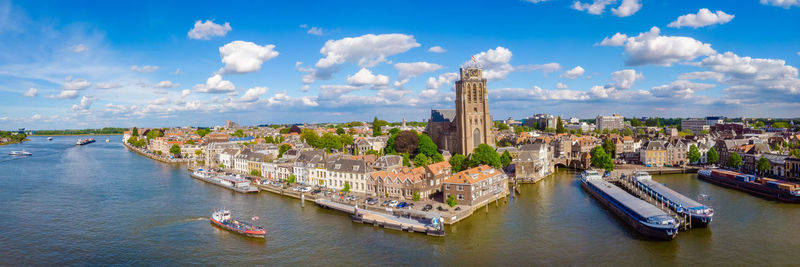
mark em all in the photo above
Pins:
pixel 91 64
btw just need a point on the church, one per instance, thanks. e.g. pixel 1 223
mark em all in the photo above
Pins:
pixel 469 125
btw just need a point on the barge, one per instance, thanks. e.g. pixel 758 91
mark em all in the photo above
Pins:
pixel 85 141
pixel 640 215
pixel 768 188
pixel 700 214
pixel 234 183
pixel 222 219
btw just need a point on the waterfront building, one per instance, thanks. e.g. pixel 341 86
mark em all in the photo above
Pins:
pixel 348 171
pixel 471 124
pixel 226 158
pixel 534 161
pixel 676 152
pixel 791 168
pixel 654 154
pixel 398 182
pixel 614 121
pixel 726 147
pixel 475 185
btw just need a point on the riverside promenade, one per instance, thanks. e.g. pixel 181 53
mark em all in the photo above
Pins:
pixel 144 152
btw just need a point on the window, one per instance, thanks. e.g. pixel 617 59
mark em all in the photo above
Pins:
pixel 460 197
pixel 447 186
pixel 460 188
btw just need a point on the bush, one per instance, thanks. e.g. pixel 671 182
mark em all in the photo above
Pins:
pixel 291 178
pixel 416 196
pixel 451 201
pixel 255 173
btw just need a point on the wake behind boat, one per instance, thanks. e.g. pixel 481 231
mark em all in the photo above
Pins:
pixel 222 219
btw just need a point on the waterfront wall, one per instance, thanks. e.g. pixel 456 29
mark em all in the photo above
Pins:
pixel 144 152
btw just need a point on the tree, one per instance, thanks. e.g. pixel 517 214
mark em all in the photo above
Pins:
pixel 189 142
pixel 406 160
pixel 238 133
pixel 175 150
pixel 135 132
pixel 310 137
pixel 372 152
pixel 636 123
pixel 390 144
pixel 291 178
pixel 437 158
pixel 505 159
pixel 154 133
pixel 712 155
pixel 376 126
pixel 458 162
pixel 329 141
pixel 693 155
pixel 283 149
pixel 420 160
pixel 762 165
pixel 610 148
pixel 451 201
pixel 346 188
pixel 759 124
pixel 203 132
pixel 394 131
pixel 415 196
pixel 406 142
pixel 426 146
pixel 627 132
pixel 222 166
pixel 501 126
pixel 255 173
pixel 159 152
pixel 601 160
pixel 484 154
pixel 560 126
pixel 734 160
pixel 795 152
pixel 340 131
pixel 198 152
pixel 346 139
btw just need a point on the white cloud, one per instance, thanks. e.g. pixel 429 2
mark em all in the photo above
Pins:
pixel 207 30
pixel 495 63
pixel 75 84
pixel 282 99
pixel 86 103
pixel 702 75
pixel 652 48
pixel 146 68
pixel 79 48
pixel 414 69
pixel 367 50
pixel 335 91
pixel 186 92
pixel 365 77
pixel 536 93
pixel 561 86
pixel 177 71
pixel 215 85
pixel 31 92
pixel 166 84
pixel 445 78
pixel 36 117
pixel 160 101
pixel 107 85
pixel 304 26
pixel 781 3
pixel 546 68
pixel 681 89
pixel 595 8
pixel 627 8
pixel 704 17
pixel 755 78
pixel 65 94
pixel 437 49
pixel 243 57
pixel 624 79
pixel 315 31
pixel 618 39
pixel 305 88
pixel 253 94
pixel 573 73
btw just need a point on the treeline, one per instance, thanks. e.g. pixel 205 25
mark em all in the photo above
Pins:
pixel 107 130
pixel 15 138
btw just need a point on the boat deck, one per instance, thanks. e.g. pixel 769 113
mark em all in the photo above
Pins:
pixel 670 194
pixel 642 208
pixel 382 219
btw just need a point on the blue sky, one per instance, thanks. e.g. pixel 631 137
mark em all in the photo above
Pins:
pixel 77 64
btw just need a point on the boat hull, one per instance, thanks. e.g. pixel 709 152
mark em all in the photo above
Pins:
pixel 700 221
pixel 254 234
pixel 659 234
pixel 752 188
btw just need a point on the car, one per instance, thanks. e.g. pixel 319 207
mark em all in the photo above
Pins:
pixel 296 188
pixel 402 205
pixel 305 189
pixel 315 192
pixel 458 208
pixel 427 207
pixel 370 201
pixel 441 209
pixel 385 203
pixel 354 197
pixel 393 203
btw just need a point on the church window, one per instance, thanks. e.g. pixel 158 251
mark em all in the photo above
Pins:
pixel 476 137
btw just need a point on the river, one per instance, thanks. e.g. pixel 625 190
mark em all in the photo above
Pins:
pixel 102 204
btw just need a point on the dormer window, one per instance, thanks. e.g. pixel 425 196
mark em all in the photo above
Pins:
pixel 337 166
pixel 355 168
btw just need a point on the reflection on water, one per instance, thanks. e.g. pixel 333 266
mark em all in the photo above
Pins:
pixel 100 204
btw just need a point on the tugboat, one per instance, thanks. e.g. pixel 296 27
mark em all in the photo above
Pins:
pixel 222 219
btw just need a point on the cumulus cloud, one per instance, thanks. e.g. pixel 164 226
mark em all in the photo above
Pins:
pixel 573 73
pixel 253 94
pixel 437 49
pixel 146 68
pixel 328 92
pixel 75 84
pixel 79 48
pixel 561 86
pixel 367 50
pixel 86 103
pixel 652 48
pixel 36 117
pixel 752 79
pixel 781 3
pixel 546 68
pixel 445 78
pixel 186 92
pixel 536 93
pixel 107 85
pixel 495 63
pixel 414 69
pixel 243 57
pixel 627 8
pixel 624 79
pixel 702 75
pixel 177 71
pixel 305 88
pixel 704 17
pixel 31 92
pixel 65 94
pixel 282 99
pixel 618 39
pixel 315 31
pixel 365 77
pixel 595 8
pixel 681 89
pixel 215 85
pixel 207 30
pixel 166 84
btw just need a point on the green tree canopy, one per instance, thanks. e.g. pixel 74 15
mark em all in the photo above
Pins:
pixel 762 165
pixel 712 155
pixel 560 126
pixel 175 150
pixel 135 132
pixel 426 146
pixel 734 160
pixel 406 160
pixel 458 163
pixel 484 154
pixel 340 131
pixel 255 173
pixel 283 149
pixel 501 126
pixel 376 126
pixel 451 201
pixel 505 159
pixel 420 160
pixel 636 123
pixel 291 178
pixel 601 160
pixel 627 132
pixel 346 188
pixel 310 137
pixel 693 155
pixel 394 131
pixel 609 148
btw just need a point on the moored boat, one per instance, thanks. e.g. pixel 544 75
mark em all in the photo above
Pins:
pixel 235 183
pixel 85 141
pixel 20 153
pixel 223 219
pixel 640 215
pixel 768 188
pixel 700 214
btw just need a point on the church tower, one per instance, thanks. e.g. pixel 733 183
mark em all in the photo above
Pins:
pixel 473 121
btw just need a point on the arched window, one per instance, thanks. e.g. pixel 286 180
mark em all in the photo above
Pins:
pixel 475 93
pixel 476 137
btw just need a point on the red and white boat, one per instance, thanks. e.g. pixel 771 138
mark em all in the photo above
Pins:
pixel 222 219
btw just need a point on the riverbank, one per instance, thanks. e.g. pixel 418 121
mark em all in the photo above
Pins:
pixel 143 152
pixel 18 142
pixel 73 134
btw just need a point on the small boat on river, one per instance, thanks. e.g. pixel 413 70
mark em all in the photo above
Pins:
pixel 222 219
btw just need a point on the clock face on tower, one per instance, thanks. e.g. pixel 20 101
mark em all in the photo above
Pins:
pixel 473 73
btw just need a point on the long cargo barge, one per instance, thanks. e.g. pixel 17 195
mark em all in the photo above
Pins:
pixel 768 188
pixel 700 214
pixel 234 183
pixel 640 215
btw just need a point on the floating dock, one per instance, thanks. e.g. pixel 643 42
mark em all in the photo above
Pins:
pixel 389 221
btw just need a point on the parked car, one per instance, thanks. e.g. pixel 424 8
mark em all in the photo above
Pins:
pixel 402 205
pixel 458 208
pixel 385 203
pixel 427 207
pixel 370 201
pixel 441 209
pixel 305 189
pixel 315 192
pixel 393 203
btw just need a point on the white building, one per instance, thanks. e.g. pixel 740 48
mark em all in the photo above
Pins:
pixel 614 121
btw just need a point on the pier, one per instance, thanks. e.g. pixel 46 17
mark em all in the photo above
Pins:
pixel 390 221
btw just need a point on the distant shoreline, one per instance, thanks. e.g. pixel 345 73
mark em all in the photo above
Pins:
pixel 69 134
